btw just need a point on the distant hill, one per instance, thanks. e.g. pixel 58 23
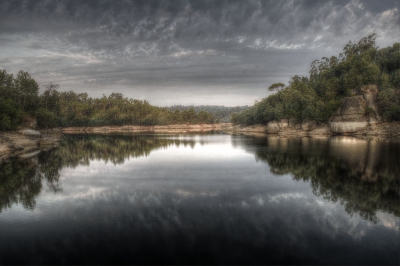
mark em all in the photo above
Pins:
pixel 221 113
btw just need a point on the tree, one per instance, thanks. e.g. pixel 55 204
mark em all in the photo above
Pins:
pixel 275 86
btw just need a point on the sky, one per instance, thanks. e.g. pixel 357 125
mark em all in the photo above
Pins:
pixel 169 52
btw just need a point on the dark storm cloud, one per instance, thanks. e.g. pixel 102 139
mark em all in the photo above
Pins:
pixel 145 46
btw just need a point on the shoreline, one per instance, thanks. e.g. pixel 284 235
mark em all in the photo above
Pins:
pixel 177 128
pixel 383 129
pixel 24 142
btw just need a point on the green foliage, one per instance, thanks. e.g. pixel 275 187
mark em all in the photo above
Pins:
pixel 221 114
pixel 81 110
pixel 19 97
pixel 46 118
pixel 317 97
pixel 276 86
pixel 369 110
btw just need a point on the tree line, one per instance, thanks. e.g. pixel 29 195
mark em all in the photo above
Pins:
pixel 221 113
pixel 318 96
pixel 20 98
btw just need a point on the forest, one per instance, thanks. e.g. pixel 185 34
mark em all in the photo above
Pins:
pixel 20 100
pixel 318 96
pixel 315 97
pixel 220 112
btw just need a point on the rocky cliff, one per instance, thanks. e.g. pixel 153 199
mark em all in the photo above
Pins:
pixel 357 112
pixel 357 115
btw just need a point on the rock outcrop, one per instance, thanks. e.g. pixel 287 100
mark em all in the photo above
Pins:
pixel 308 125
pixel 273 127
pixel 29 132
pixel 357 112
pixel 283 128
pixel 26 143
pixel 370 93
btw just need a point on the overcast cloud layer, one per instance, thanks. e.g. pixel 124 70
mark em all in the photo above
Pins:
pixel 180 51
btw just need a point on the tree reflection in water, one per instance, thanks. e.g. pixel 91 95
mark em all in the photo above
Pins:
pixel 363 175
pixel 22 180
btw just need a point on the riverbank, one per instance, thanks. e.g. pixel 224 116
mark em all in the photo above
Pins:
pixel 179 128
pixel 384 129
pixel 26 143
pixel 282 128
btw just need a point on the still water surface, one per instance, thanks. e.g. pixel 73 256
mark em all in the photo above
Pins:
pixel 202 199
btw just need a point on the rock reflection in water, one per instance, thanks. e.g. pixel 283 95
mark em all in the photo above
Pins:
pixel 364 175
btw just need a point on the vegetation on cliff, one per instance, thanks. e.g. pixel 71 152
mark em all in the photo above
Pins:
pixel 19 99
pixel 318 96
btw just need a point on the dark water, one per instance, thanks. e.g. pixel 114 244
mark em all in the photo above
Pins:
pixel 203 199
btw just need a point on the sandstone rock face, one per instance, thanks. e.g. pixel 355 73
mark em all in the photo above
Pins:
pixel 352 106
pixel 352 117
pixel 308 125
pixel 347 127
pixel 322 130
pixel 273 127
pixel 348 123
pixel 283 123
pixel 292 122
pixel 370 93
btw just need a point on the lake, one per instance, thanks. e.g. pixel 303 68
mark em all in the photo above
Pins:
pixel 203 199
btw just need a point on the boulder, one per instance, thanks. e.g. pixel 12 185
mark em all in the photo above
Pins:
pixel 308 125
pixel 273 127
pixel 29 132
pixel 29 154
pixel 348 123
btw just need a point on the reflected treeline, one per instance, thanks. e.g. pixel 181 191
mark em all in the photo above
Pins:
pixel 21 181
pixel 81 149
pixel 363 175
